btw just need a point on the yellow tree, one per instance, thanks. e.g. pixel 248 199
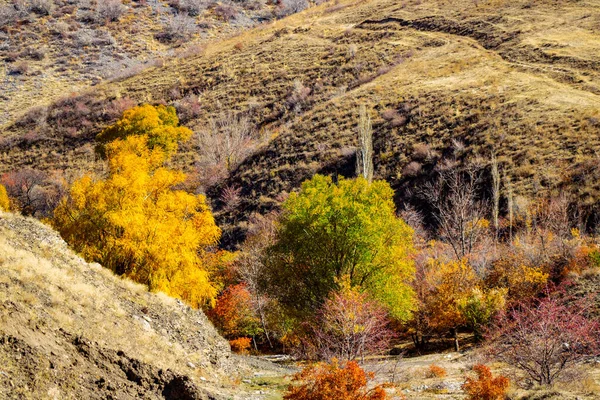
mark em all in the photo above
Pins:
pixel 458 298
pixel 136 224
pixel 4 201
pixel 158 123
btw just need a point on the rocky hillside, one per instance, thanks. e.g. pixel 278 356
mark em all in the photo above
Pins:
pixel 51 48
pixel 460 79
pixel 72 330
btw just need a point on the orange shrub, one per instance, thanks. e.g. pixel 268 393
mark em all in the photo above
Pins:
pixel 485 387
pixel 334 382
pixel 240 345
pixel 436 371
pixel 233 313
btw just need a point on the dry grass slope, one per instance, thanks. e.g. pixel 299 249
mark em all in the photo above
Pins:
pixel 72 330
pixel 517 78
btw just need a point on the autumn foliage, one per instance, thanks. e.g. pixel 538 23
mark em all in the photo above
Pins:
pixel 4 200
pixel 485 386
pixel 233 313
pixel 159 124
pixel 335 229
pixel 240 345
pixel 334 382
pixel 435 371
pixel 350 325
pixel 135 222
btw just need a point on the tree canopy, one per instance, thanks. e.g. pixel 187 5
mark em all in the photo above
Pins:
pixel 159 124
pixel 135 223
pixel 349 229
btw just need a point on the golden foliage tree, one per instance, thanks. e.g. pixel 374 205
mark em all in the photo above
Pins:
pixel 4 200
pixel 458 298
pixel 158 123
pixel 136 224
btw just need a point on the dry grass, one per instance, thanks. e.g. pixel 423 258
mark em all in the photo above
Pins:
pixel 52 288
pixel 412 376
pixel 81 47
pixel 517 78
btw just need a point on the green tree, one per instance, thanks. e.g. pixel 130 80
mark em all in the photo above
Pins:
pixel 333 230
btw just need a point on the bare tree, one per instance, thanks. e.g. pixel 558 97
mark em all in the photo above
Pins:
pixel 250 265
pixel 350 326
pixel 495 191
pixel 510 204
pixel 364 155
pixel 458 211
pixel 226 141
pixel 26 187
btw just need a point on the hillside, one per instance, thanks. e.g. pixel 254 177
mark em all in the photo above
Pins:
pixel 50 48
pixel 73 330
pixel 462 79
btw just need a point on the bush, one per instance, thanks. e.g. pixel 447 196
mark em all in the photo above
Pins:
pixel 485 387
pixel 192 8
pixel 41 7
pixel 289 7
pixel 8 15
pixel 240 345
pixel 110 10
pixel 435 371
pixel 178 28
pixel 546 338
pixel 21 68
pixel 334 382
pixel 225 12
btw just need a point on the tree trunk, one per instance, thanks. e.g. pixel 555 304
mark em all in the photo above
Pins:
pixel 455 336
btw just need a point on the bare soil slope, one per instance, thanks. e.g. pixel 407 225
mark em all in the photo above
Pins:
pixel 72 330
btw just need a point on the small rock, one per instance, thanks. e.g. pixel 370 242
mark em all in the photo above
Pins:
pixel 191 365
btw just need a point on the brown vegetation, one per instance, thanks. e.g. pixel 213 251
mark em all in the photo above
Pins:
pixel 482 76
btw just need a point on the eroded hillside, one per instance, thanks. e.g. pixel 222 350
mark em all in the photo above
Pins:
pixel 461 79
pixel 73 330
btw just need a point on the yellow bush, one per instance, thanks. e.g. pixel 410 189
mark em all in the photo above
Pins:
pixel 4 200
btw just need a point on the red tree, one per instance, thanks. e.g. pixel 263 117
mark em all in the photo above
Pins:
pixel 545 338
pixel 233 313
